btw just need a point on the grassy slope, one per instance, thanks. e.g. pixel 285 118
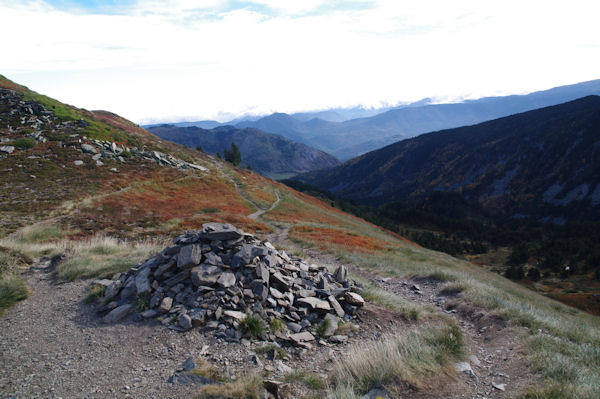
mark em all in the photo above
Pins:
pixel 568 357
pixel 145 200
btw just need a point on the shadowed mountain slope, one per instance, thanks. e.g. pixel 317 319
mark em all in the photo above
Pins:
pixel 542 162
pixel 268 154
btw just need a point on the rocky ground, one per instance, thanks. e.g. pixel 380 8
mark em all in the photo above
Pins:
pixel 53 345
pixel 495 366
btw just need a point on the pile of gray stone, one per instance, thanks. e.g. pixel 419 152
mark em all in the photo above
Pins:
pixel 217 277
pixel 104 149
pixel 31 119
pixel 20 117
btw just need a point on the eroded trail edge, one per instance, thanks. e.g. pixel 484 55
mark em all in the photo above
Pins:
pixel 495 363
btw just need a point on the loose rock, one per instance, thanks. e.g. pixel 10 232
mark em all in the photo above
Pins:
pixel 214 278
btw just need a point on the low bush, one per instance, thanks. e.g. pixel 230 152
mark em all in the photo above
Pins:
pixel 12 290
pixel 253 325
pixel 24 143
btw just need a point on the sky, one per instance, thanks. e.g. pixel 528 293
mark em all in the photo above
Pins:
pixel 173 60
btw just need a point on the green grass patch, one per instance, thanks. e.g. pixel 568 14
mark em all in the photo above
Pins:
pixel 141 303
pixel 279 352
pixel 206 370
pixel 310 380
pixel 100 257
pixel 323 327
pixel 276 325
pixel 24 143
pixel 253 325
pixel 12 290
pixel 95 292
pixel 410 310
pixel 40 233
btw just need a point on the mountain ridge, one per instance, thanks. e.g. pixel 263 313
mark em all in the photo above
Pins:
pixel 365 132
pixel 271 155
pixel 484 162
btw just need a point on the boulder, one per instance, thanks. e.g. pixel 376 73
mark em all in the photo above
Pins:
pixel 302 337
pixel 118 313
pixel 165 305
pixel 112 290
pixel 89 149
pixel 189 256
pixel 354 299
pixel 341 274
pixel 206 275
pixel 239 316
pixel 184 321
pixel 226 280
pixel 336 306
pixel 142 283
pixel 262 272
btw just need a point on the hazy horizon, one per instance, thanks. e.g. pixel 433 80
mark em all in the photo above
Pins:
pixel 181 60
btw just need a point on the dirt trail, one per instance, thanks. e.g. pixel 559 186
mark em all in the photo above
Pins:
pixel 259 212
pixel 52 345
pixel 493 351
pixel 256 214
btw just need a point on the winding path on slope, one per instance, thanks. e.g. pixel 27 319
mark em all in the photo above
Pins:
pixel 256 214
pixel 260 211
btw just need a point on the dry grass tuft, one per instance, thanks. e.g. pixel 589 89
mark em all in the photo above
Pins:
pixel 103 257
pixel 413 358
pixel 244 388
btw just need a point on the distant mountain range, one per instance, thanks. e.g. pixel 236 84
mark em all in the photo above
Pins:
pixel 271 155
pixel 539 163
pixel 330 131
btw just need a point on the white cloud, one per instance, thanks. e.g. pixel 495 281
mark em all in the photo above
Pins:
pixel 200 59
pixel 292 7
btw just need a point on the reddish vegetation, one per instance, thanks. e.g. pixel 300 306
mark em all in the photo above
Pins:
pixel 155 201
pixel 582 300
pixel 7 84
pixel 327 215
pixel 258 188
pixel 119 123
pixel 348 240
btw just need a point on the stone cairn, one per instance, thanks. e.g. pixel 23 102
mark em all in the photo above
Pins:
pixel 215 278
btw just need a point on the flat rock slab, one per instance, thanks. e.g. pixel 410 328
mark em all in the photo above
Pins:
pixel 226 280
pixel 302 337
pixel 189 379
pixel 338 339
pixel 315 303
pixel 118 313
pixel 235 314
pixel 220 231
